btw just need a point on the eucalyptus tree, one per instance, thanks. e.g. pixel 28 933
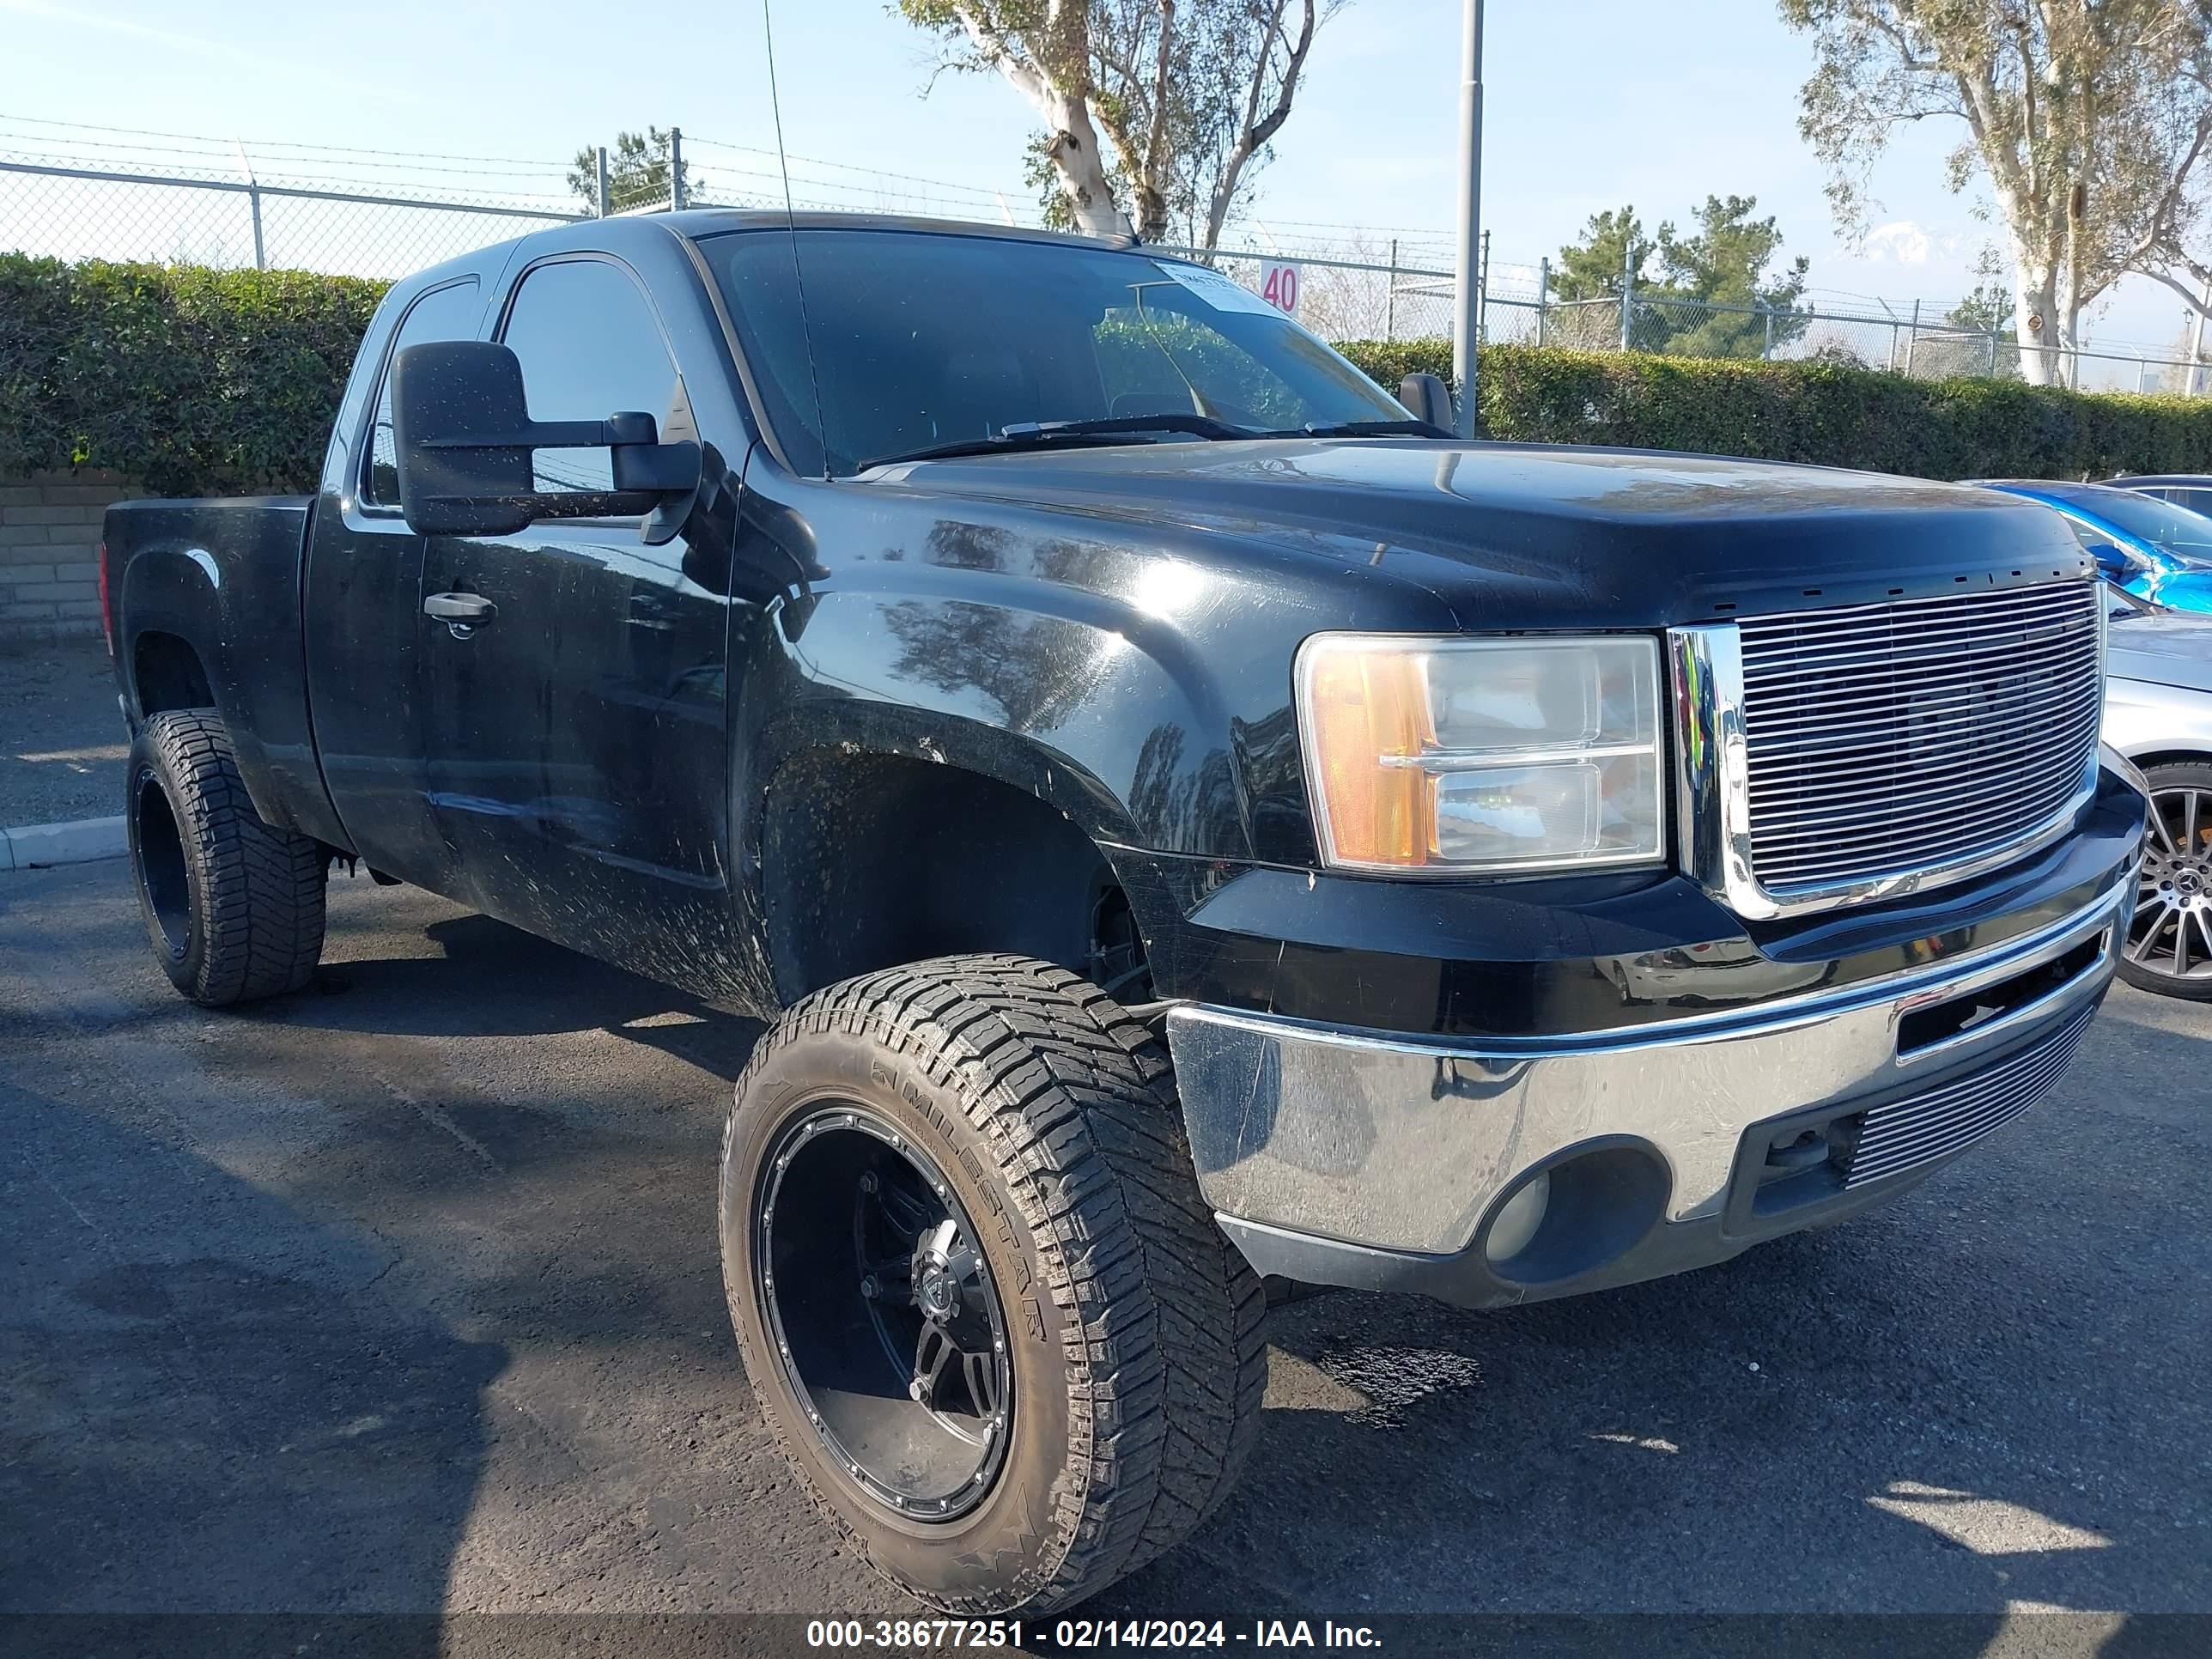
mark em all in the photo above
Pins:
pixel 2089 122
pixel 1157 114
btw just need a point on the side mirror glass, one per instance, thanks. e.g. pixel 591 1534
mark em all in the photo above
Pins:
pixel 462 436
pixel 1427 399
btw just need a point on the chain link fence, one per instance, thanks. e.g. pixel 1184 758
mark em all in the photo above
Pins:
pixel 112 215
pixel 76 193
pixel 1355 299
pixel 80 192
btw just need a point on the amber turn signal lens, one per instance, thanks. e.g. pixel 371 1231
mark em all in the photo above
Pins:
pixel 1364 709
pixel 1470 754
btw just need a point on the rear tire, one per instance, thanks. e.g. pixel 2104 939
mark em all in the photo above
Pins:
pixel 2173 895
pixel 233 908
pixel 1028 1100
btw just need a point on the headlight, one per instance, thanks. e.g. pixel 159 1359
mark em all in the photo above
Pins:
pixel 1482 755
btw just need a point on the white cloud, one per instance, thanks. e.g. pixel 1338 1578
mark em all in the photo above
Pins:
pixel 1907 243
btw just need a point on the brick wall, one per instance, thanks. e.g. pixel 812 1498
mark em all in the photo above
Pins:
pixel 49 538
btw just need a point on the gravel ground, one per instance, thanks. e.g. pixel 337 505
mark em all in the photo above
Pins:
pixel 62 739
pixel 401 1297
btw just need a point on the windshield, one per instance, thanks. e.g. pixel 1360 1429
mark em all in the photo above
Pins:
pixel 2174 529
pixel 922 338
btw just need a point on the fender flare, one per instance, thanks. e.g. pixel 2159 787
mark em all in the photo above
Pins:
pixel 175 590
pixel 1160 777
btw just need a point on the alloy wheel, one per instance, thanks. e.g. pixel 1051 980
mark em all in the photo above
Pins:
pixel 883 1312
pixel 2170 935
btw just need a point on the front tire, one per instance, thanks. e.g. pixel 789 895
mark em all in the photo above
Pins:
pixel 1020 1128
pixel 2168 948
pixel 233 908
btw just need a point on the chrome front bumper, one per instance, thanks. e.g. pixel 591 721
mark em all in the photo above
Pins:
pixel 1330 1154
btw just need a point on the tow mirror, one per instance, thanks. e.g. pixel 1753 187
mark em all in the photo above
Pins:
pixel 1427 399
pixel 463 437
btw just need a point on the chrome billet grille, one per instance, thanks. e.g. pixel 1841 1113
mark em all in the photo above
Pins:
pixel 1882 739
pixel 1921 1129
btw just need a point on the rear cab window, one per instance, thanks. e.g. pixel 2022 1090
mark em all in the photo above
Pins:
pixel 449 313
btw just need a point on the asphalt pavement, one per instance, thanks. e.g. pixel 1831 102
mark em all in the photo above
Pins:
pixel 62 740
pixel 401 1296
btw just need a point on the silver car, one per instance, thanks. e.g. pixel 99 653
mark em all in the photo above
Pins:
pixel 2190 489
pixel 2158 713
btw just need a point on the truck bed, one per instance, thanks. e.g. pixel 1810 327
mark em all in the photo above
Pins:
pixel 204 603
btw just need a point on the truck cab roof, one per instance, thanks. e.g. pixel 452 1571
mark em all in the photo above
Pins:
pixel 610 234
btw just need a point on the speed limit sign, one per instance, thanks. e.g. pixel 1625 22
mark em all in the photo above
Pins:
pixel 1279 287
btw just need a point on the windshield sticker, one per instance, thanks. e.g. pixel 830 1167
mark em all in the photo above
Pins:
pixel 1216 289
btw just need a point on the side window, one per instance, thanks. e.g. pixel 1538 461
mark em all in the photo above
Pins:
pixel 2197 501
pixel 443 313
pixel 590 346
pixel 2115 561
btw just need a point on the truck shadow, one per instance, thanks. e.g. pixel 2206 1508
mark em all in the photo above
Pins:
pixel 492 980
pixel 209 1402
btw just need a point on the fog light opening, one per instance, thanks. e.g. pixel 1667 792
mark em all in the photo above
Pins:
pixel 1590 1205
pixel 1518 1219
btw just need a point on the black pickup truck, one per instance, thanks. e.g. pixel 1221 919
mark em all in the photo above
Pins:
pixel 1191 824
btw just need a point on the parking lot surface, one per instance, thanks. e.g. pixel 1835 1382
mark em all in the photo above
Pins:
pixel 62 743
pixel 402 1296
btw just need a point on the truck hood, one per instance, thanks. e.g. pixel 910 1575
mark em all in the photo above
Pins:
pixel 1626 538
pixel 2161 648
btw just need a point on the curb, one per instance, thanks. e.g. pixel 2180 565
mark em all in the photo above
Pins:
pixel 35 846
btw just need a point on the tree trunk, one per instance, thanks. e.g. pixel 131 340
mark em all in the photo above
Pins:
pixel 2067 320
pixel 1151 213
pixel 1074 152
pixel 2068 365
pixel 1056 81
pixel 2035 300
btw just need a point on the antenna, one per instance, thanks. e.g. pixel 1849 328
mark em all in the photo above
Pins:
pixel 791 222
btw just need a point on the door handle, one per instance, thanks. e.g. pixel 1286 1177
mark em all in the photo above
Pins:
pixel 459 607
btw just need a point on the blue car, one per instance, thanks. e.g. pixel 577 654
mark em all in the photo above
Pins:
pixel 2151 548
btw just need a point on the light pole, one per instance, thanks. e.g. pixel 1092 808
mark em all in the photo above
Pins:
pixel 1468 271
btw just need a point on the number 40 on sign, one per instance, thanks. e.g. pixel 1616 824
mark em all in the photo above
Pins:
pixel 1279 287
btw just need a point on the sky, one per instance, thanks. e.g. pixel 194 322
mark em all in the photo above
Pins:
pixel 1589 104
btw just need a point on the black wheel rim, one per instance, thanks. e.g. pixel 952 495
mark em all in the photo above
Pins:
pixel 2171 933
pixel 162 863
pixel 883 1313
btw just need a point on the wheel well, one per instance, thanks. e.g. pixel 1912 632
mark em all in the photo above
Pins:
pixel 870 860
pixel 168 674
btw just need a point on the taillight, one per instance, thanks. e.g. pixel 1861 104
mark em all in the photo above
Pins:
pixel 106 608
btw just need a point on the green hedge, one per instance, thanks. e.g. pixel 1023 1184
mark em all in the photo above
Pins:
pixel 190 381
pixel 1825 413
pixel 205 382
